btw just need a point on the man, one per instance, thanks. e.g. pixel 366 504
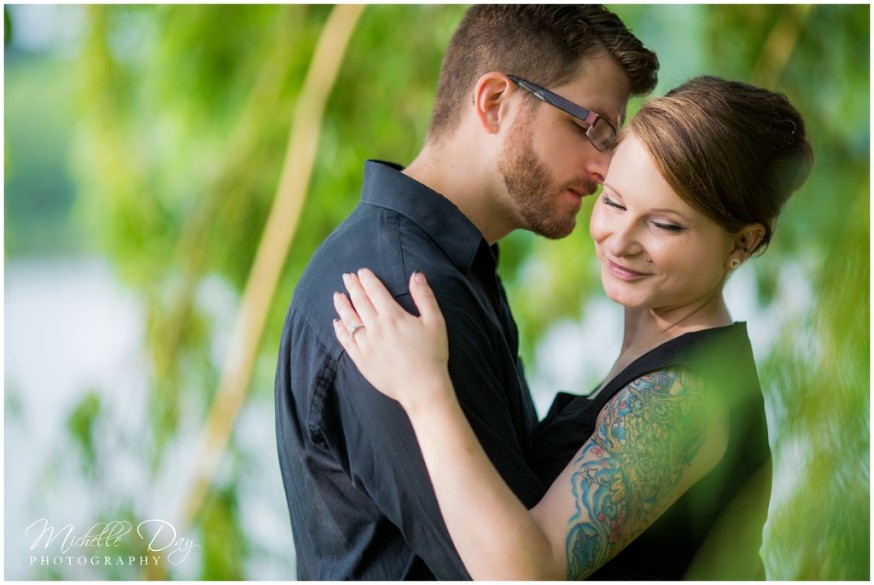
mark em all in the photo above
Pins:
pixel 502 153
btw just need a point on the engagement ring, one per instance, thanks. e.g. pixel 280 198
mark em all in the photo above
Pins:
pixel 354 329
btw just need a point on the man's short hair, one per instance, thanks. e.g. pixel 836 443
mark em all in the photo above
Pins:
pixel 542 43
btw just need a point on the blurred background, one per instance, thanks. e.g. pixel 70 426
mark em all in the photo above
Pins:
pixel 168 172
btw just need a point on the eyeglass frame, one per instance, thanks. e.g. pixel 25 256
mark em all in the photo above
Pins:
pixel 569 107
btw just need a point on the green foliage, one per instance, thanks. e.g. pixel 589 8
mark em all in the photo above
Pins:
pixel 223 547
pixel 7 27
pixel 81 425
pixel 182 116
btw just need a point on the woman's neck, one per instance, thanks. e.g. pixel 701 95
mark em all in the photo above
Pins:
pixel 646 329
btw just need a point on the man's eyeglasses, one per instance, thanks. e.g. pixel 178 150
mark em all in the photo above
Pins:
pixel 600 132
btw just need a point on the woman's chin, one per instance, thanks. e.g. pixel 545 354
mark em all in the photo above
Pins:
pixel 622 297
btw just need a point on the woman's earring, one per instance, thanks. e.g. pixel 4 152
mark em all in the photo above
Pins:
pixel 733 263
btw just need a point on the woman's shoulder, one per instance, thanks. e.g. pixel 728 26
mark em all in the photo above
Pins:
pixel 689 346
pixel 715 353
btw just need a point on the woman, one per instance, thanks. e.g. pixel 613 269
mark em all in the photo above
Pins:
pixel 695 186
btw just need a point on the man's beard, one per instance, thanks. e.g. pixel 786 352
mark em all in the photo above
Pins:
pixel 529 186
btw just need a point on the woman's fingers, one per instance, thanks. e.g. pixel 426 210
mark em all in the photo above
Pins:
pixel 370 297
pixel 389 346
pixel 349 318
pixel 360 298
pixel 424 298
pixel 377 294
pixel 344 337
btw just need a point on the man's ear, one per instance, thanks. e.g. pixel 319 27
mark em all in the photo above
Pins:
pixel 490 100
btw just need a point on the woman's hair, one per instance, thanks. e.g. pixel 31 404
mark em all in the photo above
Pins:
pixel 544 44
pixel 733 151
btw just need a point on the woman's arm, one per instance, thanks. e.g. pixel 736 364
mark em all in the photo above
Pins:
pixel 653 440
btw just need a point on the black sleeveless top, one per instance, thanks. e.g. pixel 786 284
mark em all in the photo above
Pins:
pixel 723 357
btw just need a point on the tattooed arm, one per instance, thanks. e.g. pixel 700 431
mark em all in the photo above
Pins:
pixel 654 439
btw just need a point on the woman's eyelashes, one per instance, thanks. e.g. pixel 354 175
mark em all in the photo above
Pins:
pixel 668 227
pixel 662 225
pixel 607 201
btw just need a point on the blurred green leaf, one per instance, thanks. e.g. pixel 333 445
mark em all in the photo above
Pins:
pixel 223 547
pixel 82 423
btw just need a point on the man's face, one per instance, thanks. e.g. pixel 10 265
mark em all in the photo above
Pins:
pixel 544 208
pixel 547 163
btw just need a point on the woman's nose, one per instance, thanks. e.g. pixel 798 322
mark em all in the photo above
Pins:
pixel 623 240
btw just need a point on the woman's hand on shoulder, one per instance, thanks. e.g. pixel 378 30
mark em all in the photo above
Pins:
pixel 403 356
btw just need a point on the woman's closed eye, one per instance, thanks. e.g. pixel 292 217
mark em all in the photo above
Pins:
pixel 607 201
pixel 668 227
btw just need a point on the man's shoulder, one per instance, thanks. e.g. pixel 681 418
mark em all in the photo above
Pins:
pixel 369 237
pixel 384 240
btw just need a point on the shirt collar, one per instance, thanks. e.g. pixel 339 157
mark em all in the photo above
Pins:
pixel 386 186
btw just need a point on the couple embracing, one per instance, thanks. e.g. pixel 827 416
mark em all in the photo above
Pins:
pixel 408 441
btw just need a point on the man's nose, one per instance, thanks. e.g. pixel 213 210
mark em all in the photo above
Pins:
pixel 596 164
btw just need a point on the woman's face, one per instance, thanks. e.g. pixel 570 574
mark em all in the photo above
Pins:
pixel 656 251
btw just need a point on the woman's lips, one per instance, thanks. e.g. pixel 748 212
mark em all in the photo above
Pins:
pixel 623 273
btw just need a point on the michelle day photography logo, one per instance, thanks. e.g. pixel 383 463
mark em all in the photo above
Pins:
pixel 107 543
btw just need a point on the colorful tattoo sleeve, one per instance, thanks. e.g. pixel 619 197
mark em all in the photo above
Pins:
pixel 628 473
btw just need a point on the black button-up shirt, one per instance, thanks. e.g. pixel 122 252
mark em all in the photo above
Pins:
pixel 361 502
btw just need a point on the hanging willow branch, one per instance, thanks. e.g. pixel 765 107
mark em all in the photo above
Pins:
pixel 270 255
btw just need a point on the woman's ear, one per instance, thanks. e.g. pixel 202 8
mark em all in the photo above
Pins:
pixel 490 100
pixel 746 241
